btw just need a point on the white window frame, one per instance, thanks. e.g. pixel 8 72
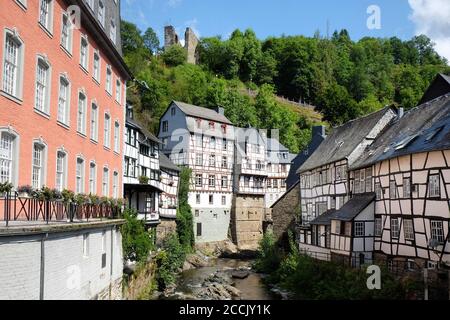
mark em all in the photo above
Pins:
pixel 101 13
pixel 68 28
pixel 109 78
pixel 107 130
pixel 92 177
pixel 14 87
pixel 359 229
pixel 63 112
pixel 61 170
pixel 94 122
pixel 119 90
pixel 408 229
pixel 105 182
pixel 437 231
pixel 42 86
pixel 9 143
pixel 116 137
pixel 37 182
pixel 22 3
pixel 393 192
pixel 96 66
pixel 47 21
pixel 115 184
pixel 80 176
pixel 113 31
pixel 434 186
pixel 84 55
pixel 395 228
pixel 378 227
pixel 198 180
pixel 81 113
pixel 406 187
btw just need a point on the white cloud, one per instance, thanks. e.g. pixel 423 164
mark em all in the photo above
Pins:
pixel 432 18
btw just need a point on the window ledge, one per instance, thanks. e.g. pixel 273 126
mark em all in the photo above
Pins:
pixel 64 125
pixel 81 134
pixel 117 153
pixel 21 5
pixel 94 141
pixel 48 32
pixel 108 93
pixel 69 54
pixel 96 81
pixel 11 97
pixel 83 69
pixel 42 113
pixel 107 148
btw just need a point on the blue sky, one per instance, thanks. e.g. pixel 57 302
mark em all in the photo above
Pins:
pixel 401 18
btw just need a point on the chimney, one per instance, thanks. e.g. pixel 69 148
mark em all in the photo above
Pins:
pixel 220 110
pixel 318 130
pixel 401 113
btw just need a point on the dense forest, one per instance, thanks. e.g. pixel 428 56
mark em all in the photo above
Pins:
pixel 344 79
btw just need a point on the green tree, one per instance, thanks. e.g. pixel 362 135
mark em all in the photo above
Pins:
pixel 136 240
pixel 174 56
pixel 185 220
pixel 151 41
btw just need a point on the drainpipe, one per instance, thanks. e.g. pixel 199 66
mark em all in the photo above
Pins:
pixel 42 270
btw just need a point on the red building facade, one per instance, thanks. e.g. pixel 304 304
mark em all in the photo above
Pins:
pixel 62 96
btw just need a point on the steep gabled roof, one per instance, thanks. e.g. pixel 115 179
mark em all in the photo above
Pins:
pixel 139 126
pixel 343 140
pixel 203 113
pixel 324 219
pixel 424 128
pixel 353 207
pixel 165 162
pixel 439 87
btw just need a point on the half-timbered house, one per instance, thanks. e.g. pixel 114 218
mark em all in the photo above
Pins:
pixel 278 167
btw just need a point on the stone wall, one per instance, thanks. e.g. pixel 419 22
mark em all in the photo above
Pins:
pixel 284 213
pixel 164 229
pixel 247 215
pixel 140 285
pixel 170 37
pixel 191 43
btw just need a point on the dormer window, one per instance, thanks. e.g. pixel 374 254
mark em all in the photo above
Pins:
pixel 211 125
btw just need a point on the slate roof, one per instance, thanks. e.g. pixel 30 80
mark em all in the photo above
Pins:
pixel 353 207
pixel 274 148
pixel 141 127
pixel 439 87
pixel 343 141
pixel 203 113
pixel 165 162
pixel 424 128
pixel 324 219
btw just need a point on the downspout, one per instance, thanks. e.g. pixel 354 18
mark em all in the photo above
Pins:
pixel 42 269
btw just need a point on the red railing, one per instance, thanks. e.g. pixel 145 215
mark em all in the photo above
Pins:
pixel 15 208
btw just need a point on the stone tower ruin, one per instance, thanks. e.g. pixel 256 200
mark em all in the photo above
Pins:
pixel 191 42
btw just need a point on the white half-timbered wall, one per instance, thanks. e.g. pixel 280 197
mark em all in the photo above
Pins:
pixel 169 195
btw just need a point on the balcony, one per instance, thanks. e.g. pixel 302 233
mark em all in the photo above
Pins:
pixel 149 217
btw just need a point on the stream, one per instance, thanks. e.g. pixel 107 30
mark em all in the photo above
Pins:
pixel 251 288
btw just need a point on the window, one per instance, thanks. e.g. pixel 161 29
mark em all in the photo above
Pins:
pixel 369 180
pixel 212 160
pixel 246 182
pixel 23 3
pixel 116 137
pixel 198 180
pixel 224 200
pixel 64 101
pixel 406 187
pixel 92 178
pixel 437 232
pixel 165 126
pixel 94 122
pixel 90 3
pixel 101 13
pixel 39 163
pixel 197 213
pixel 212 143
pixel 224 162
pixel 96 71
pixel 199 229
pixel 357 182
pixel 66 33
pixel 378 191
pixel 115 185
pixel 84 53
pixel 112 32
pixel 337 227
pixel 211 199
pixel 434 186
pixel 8 159
pixel 212 181
pixel 13 65
pixel 105 182
pixel 104 242
pixel 79 176
pixel 225 144
pixel 199 141
pixel 61 176
pixel 130 167
pixel 45 14
pixel 81 121
pixel 359 229
pixel 408 229
pixel 392 189
pixel 378 227
pixel 224 182
pixel 118 91
pixel 109 80
pixel 107 130
pixel 395 229
pixel 85 245
pixel 259 165
pixel 199 159
pixel 197 198
pixel 172 111
pixel 42 98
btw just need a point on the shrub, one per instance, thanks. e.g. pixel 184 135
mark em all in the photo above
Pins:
pixel 6 187
pixel 169 261
pixel 143 179
pixel 68 196
pixel 25 189
pixel 136 242
pixel 185 220
pixel 174 56
pixel 269 256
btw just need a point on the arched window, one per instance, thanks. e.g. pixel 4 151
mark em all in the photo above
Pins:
pixel 13 64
